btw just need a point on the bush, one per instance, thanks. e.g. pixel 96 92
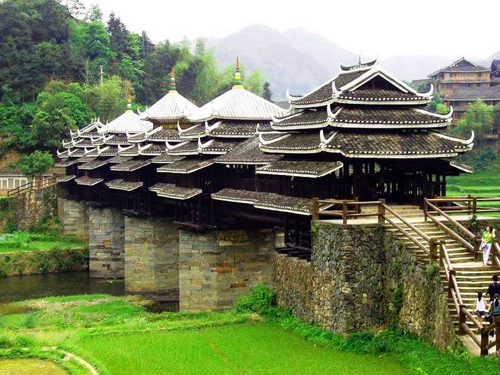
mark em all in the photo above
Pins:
pixel 260 301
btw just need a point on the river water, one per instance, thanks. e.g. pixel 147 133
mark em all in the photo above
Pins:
pixel 20 288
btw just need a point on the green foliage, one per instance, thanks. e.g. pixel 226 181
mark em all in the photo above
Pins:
pixel 260 301
pixel 36 164
pixel 478 118
pixel 436 100
pixel 397 299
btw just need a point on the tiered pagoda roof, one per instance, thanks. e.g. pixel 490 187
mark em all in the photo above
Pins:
pixel 219 127
pixel 363 113
pixel 172 108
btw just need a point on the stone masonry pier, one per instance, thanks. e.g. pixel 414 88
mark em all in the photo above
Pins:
pixel 152 257
pixel 216 267
pixel 106 243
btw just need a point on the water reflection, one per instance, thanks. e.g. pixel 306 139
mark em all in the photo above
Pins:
pixel 19 288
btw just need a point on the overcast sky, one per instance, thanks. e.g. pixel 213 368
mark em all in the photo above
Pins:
pixel 383 28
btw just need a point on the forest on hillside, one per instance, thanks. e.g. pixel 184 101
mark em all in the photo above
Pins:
pixel 62 65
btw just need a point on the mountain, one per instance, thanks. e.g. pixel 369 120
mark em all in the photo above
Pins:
pixel 299 60
pixel 296 59
pixel 414 67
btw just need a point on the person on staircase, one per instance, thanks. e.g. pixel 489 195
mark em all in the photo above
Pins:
pixel 487 241
pixel 480 307
pixel 495 308
pixel 494 287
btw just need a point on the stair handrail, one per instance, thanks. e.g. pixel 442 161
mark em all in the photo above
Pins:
pixel 462 311
pixel 472 248
pixel 496 253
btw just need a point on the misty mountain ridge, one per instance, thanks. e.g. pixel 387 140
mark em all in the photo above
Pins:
pixel 299 60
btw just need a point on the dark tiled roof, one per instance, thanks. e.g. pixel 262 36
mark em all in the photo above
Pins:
pixel 401 144
pixel 186 166
pixel 194 132
pixel 64 178
pixel 78 153
pixel 93 164
pixel 137 137
pixel 301 143
pixel 154 149
pixel 219 147
pixel 174 192
pixel 247 152
pixel 83 142
pixel 110 151
pixel 131 165
pixel 66 163
pixel 375 144
pixel 90 134
pixel 165 159
pixel 387 116
pixel 124 185
pixel 119 159
pixel 171 135
pixel 11 173
pixel 325 93
pixel 461 65
pixel 303 118
pixel 131 151
pixel 86 159
pixel 473 93
pixel 300 168
pixel 88 181
pixel 190 148
pixel 234 129
pixel 379 95
pixel 117 139
pixel 266 201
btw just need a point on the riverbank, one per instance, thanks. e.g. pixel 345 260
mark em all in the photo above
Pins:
pixel 32 262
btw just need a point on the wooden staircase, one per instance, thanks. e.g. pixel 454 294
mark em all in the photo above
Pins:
pixel 471 276
pixel 425 234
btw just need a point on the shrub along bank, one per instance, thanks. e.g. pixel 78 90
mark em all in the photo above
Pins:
pixel 42 257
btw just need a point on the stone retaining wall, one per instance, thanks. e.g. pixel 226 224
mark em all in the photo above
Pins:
pixel 216 267
pixel 152 257
pixel 361 278
pixel 106 243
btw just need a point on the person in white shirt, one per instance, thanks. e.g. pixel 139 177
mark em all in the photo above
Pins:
pixel 480 307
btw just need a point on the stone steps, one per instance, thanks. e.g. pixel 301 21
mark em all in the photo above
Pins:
pixel 471 276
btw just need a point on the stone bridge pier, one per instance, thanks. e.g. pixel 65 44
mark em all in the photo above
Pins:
pixel 201 271
pixel 152 257
pixel 106 243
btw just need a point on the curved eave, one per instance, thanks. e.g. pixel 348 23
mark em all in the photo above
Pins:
pixel 383 101
pixel 263 148
pixel 279 209
pixel 404 125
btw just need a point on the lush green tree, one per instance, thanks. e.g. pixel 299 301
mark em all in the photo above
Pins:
pixel 36 163
pixel 47 130
pixel 94 14
pixel 436 99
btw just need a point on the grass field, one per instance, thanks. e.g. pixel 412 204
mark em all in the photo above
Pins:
pixel 24 241
pixel 241 349
pixel 481 184
pixel 118 335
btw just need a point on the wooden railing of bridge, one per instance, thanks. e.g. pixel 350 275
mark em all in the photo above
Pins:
pixel 35 184
pixel 351 210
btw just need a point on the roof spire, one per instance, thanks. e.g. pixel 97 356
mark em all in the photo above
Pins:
pixel 359 60
pixel 171 85
pixel 129 101
pixel 237 75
